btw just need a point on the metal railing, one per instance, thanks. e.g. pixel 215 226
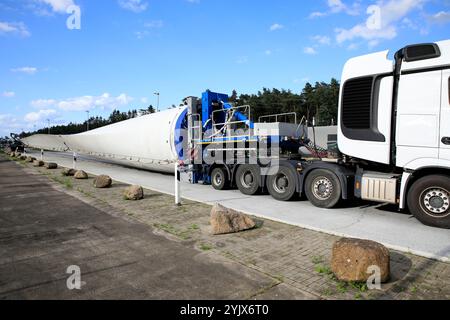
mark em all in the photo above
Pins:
pixel 279 115
pixel 196 133
pixel 229 115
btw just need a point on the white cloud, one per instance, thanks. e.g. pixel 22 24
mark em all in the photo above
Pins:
pixel 84 103
pixel 155 24
pixel 9 94
pixel 58 6
pixel 302 80
pixel 14 28
pixel 27 70
pixel 391 12
pixel 40 115
pixel 268 52
pixel 9 123
pixel 317 14
pixel 440 17
pixel 353 46
pixel 337 6
pixel 141 34
pixel 242 60
pixel 322 40
pixel 193 1
pixel 43 103
pixel 5 119
pixel 309 50
pixel 136 6
pixel 276 26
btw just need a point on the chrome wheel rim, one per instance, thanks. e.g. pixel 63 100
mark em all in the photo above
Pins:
pixel 435 201
pixel 322 188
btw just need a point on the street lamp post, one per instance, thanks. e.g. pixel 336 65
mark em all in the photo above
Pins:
pixel 48 126
pixel 88 118
pixel 157 101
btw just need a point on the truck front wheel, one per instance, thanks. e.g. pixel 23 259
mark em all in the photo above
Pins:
pixel 429 201
pixel 323 189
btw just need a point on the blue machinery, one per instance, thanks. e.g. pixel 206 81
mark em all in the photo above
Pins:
pixel 215 125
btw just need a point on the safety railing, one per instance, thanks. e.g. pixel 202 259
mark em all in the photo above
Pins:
pixel 225 128
pixel 195 127
pixel 278 116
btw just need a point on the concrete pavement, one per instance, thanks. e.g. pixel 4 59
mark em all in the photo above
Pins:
pixel 382 223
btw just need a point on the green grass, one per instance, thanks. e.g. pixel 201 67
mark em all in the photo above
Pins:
pixel 183 234
pixel 357 296
pixel 67 182
pixel 205 247
pixel 327 292
pixel 323 269
pixel 341 286
pixel 86 193
pixel 317 259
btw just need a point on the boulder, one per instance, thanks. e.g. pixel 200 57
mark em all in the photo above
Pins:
pixel 23 158
pixel 68 172
pixel 351 259
pixel 30 159
pixel 81 175
pixel 134 193
pixel 102 181
pixel 38 163
pixel 51 165
pixel 224 220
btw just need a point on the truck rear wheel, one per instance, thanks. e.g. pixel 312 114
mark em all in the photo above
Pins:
pixel 323 189
pixel 281 185
pixel 247 179
pixel 219 179
pixel 429 201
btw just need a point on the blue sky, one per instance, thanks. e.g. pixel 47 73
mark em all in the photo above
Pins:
pixel 126 50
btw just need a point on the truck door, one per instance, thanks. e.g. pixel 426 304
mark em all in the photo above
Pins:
pixel 419 104
pixel 444 150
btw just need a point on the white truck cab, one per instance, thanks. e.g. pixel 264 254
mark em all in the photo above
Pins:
pixel 394 119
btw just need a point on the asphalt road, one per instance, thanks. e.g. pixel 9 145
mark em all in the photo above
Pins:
pixel 382 223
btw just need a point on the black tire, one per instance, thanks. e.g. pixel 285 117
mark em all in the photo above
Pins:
pixel 282 185
pixel 429 201
pixel 247 179
pixel 323 188
pixel 219 179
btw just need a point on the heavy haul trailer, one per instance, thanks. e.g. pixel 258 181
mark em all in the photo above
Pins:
pixel 393 140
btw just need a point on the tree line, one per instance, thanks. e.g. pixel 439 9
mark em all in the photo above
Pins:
pixel 318 102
